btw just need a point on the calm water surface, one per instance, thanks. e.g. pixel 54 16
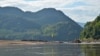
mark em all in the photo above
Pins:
pixel 51 50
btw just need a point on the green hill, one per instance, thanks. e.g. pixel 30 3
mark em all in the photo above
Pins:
pixel 47 24
pixel 91 29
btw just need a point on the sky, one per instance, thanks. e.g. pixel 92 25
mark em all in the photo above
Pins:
pixel 78 10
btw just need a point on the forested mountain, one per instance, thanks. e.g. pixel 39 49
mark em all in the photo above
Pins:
pixel 91 29
pixel 47 24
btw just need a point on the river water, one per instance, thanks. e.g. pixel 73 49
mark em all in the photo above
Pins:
pixel 51 50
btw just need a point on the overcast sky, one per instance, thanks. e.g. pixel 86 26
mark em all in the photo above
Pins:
pixel 78 10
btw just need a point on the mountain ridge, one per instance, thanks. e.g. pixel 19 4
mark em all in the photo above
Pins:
pixel 46 24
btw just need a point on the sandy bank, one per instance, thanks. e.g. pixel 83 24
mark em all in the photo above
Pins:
pixel 13 42
pixel 8 42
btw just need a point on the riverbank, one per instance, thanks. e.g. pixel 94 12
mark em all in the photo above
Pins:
pixel 16 42
pixel 83 43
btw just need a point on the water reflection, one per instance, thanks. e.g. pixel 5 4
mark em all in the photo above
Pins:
pixel 62 50
pixel 91 49
pixel 51 50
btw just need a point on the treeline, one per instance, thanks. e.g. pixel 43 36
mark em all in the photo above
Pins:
pixel 91 30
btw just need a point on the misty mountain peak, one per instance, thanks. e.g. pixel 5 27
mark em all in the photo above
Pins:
pixel 10 10
pixel 49 9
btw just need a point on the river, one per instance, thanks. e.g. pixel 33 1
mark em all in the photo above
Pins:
pixel 51 50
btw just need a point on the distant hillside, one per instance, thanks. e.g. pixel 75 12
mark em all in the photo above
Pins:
pixel 92 29
pixel 47 24
pixel 81 24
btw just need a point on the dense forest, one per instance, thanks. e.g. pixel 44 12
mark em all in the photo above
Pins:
pixel 91 29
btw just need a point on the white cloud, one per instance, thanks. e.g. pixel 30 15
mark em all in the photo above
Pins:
pixel 82 13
